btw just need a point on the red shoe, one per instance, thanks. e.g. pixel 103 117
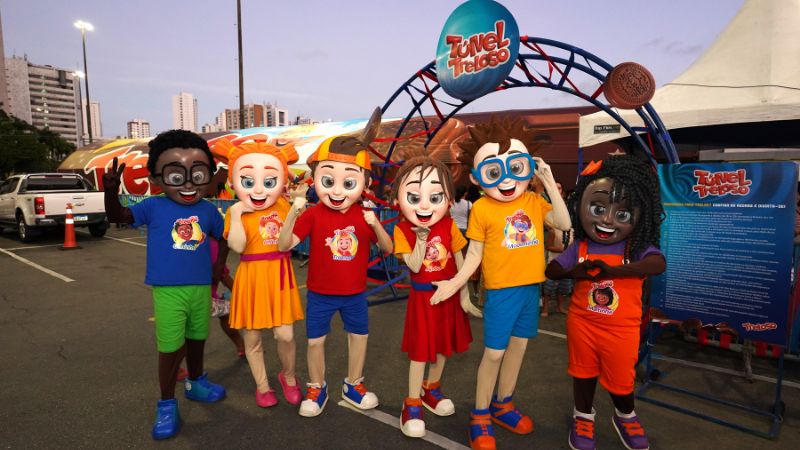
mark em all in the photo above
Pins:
pixel 266 399
pixel 411 421
pixel 182 374
pixel 435 401
pixel 291 393
pixel 509 417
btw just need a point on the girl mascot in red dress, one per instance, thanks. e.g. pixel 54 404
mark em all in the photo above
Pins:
pixel 430 243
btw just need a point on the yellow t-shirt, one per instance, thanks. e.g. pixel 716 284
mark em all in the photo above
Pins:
pixel 261 227
pixel 513 239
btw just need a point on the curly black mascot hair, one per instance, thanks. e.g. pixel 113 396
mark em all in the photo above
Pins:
pixel 640 183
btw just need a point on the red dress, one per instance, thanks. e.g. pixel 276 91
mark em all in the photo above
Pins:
pixel 431 329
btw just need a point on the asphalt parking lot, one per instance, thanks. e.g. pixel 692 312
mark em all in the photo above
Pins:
pixel 78 366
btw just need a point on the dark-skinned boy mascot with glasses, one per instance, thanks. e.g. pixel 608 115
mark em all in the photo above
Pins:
pixel 178 262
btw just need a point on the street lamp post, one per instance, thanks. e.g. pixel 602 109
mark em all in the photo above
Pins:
pixel 84 27
pixel 241 64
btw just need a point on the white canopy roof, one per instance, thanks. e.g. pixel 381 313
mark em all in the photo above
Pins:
pixel 751 73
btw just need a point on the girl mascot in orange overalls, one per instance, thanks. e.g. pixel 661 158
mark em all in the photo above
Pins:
pixel 618 206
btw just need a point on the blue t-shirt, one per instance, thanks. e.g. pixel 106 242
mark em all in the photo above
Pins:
pixel 178 252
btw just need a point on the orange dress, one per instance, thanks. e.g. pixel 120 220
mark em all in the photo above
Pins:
pixel 265 291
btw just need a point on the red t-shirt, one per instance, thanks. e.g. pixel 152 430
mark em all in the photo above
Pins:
pixel 444 239
pixel 339 251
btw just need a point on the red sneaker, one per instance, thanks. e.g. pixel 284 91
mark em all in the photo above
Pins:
pixel 435 401
pixel 411 423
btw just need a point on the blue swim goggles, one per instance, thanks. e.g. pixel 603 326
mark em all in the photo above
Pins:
pixel 492 172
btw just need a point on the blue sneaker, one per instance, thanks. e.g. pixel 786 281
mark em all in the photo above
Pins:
pixel 315 401
pixel 168 420
pixel 357 395
pixel 202 390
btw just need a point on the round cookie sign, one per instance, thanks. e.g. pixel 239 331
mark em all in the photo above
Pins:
pixel 629 85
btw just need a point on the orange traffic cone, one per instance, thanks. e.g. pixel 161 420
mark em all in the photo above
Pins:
pixel 69 231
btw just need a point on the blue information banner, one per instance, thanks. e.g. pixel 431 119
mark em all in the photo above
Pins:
pixel 728 242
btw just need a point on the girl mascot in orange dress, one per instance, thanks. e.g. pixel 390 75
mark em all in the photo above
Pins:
pixel 618 207
pixel 264 294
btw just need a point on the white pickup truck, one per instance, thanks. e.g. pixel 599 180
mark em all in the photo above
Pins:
pixel 35 201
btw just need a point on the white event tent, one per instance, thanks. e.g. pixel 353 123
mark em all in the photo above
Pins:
pixel 749 75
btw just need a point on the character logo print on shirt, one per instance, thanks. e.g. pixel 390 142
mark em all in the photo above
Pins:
pixel 603 298
pixel 519 231
pixel 269 227
pixel 187 234
pixel 435 255
pixel 343 244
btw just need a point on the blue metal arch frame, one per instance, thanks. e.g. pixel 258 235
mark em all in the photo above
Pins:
pixel 591 66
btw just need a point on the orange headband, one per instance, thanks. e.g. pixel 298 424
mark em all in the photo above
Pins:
pixel 229 153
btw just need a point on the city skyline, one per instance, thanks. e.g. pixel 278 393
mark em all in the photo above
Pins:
pixel 340 77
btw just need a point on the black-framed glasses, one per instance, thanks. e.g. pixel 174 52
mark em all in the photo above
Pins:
pixel 176 174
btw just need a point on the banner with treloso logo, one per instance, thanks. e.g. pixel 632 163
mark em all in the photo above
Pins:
pixel 728 242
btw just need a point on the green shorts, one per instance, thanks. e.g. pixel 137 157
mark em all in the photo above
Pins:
pixel 181 312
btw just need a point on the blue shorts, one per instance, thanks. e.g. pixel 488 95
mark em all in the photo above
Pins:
pixel 353 309
pixel 507 312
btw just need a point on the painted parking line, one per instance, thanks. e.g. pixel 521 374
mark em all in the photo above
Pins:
pixel 117 239
pixel 709 367
pixel 32 247
pixel 553 333
pixel 393 421
pixel 37 266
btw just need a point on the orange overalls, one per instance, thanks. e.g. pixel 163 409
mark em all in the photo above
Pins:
pixel 603 326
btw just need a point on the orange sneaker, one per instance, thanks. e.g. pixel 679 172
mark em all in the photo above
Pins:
pixel 481 432
pixel 509 417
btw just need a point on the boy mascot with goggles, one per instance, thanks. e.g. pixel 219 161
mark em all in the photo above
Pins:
pixel 506 232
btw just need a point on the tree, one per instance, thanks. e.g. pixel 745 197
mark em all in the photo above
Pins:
pixel 25 148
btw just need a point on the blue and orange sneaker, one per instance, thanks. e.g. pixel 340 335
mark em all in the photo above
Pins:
pixel 168 420
pixel 435 401
pixel 357 394
pixel 202 390
pixel 508 416
pixel 481 432
pixel 581 434
pixel 316 399
pixel 411 423
pixel 631 432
